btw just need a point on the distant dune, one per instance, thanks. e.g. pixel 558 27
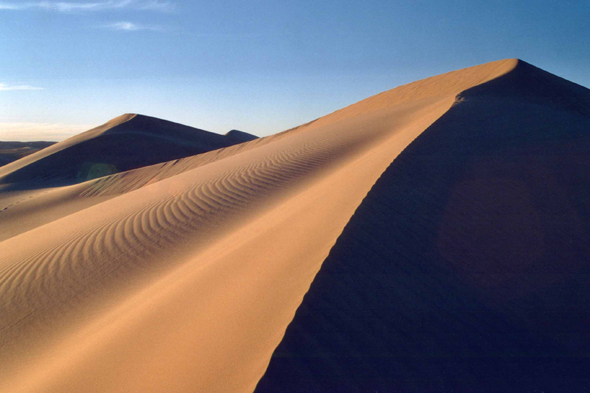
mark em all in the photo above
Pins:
pixel 240 136
pixel 432 238
pixel 127 142
pixel 12 151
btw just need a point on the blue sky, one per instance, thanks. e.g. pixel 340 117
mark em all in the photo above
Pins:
pixel 258 66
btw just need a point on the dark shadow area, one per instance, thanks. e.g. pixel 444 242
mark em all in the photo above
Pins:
pixel 118 152
pixel 12 151
pixel 467 266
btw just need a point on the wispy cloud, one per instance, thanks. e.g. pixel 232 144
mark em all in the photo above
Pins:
pixel 40 131
pixel 5 87
pixel 89 6
pixel 130 26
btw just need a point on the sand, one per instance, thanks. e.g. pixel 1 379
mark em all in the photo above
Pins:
pixel 186 274
pixel 12 151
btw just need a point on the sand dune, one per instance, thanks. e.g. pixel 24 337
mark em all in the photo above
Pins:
pixel 129 141
pixel 126 142
pixel 12 151
pixel 409 209
pixel 466 267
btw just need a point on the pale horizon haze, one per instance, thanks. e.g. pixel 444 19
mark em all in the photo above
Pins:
pixel 258 66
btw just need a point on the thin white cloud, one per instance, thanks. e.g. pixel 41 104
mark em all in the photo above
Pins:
pixel 5 87
pixel 130 26
pixel 64 6
pixel 26 132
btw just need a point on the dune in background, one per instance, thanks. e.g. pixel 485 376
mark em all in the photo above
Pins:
pixel 415 241
pixel 12 151
pixel 127 142
pixel 122 144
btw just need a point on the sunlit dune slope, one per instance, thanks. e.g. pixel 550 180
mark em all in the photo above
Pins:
pixel 184 275
pixel 466 268
pixel 24 206
pixel 126 142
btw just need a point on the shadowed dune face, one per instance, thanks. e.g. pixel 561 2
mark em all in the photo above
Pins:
pixel 240 136
pixel 467 266
pixel 12 151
